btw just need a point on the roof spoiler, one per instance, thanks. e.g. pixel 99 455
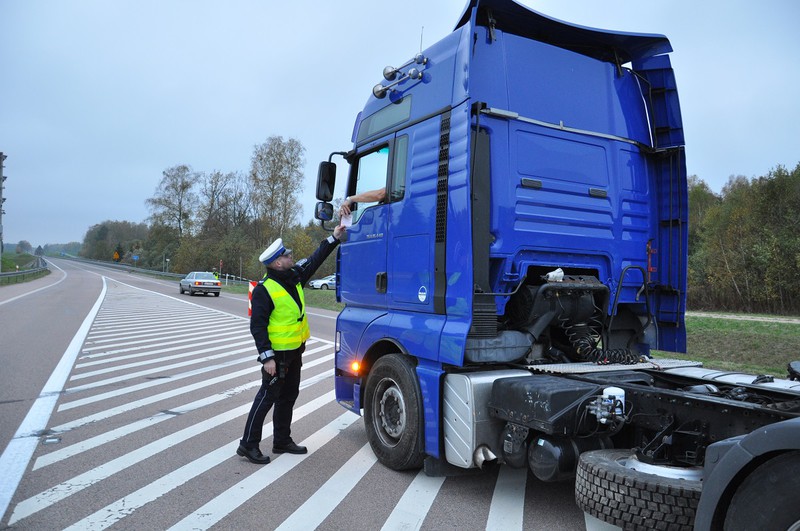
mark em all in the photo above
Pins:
pixel 610 46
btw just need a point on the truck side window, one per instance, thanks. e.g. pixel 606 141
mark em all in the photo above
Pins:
pixel 372 174
pixel 398 188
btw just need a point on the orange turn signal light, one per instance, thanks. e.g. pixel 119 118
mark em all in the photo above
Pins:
pixel 355 366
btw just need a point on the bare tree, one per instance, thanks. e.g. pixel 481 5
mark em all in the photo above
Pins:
pixel 276 180
pixel 239 202
pixel 175 201
pixel 214 192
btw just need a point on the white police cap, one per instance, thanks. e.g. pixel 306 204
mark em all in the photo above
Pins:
pixel 272 252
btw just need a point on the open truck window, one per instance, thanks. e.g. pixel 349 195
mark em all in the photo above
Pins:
pixel 372 174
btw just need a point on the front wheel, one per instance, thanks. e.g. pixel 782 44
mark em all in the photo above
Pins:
pixel 324 286
pixel 393 413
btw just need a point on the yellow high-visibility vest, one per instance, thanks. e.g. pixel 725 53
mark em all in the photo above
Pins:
pixel 288 325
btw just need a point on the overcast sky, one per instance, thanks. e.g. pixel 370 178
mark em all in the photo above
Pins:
pixel 98 97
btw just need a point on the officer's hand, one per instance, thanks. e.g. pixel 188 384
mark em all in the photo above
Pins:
pixel 338 231
pixel 270 367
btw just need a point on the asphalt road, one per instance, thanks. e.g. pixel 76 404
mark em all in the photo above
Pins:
pixel 123 402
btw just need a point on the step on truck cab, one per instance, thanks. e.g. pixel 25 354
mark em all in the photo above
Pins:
pixel 504 300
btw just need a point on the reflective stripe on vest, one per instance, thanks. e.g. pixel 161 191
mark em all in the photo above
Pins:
pixel 288 326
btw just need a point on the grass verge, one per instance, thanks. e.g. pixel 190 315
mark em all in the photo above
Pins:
pixel 756 347
pixel 323 298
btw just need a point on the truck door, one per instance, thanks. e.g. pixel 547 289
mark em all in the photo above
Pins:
pixel 363 258
pixel 413 220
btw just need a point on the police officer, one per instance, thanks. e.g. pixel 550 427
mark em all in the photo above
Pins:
pixel 280 328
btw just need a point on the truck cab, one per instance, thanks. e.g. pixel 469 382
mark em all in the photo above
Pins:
pixel 515 147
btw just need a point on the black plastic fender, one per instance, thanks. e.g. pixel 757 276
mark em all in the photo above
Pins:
pixel 726 459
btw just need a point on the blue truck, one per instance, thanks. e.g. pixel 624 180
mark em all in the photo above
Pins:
pixel 513 295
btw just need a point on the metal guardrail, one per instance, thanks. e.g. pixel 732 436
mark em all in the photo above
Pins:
pixel 227 280
pixel 24 275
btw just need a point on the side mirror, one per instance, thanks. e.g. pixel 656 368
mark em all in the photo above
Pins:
pixel 326 180
pixel 323 211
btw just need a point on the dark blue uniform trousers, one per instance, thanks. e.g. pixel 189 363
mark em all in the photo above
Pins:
pixel 283 394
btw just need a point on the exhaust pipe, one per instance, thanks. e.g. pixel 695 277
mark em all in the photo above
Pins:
pixel 483 455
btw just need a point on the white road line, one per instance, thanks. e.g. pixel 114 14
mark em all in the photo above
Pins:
pixel 130 313
pixel 195 359
pixel 508 501
pixel 325 500
pixel 227 502
pixel 144 343
pixel 156 370
pixel 176 299
pixel 152 320
pixel 160 369
pixel 163 396
pixel 123 431
pixel 114 512
pixel 199 329
pixel 159 359
pixel 20 448
pixel 76 484
pixel 154 324
pixel 413 507
pixel 59 281
pixel 12 459
pixel 146 350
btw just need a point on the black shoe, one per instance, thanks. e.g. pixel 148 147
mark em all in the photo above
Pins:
pixel 253 455
pixel 289 448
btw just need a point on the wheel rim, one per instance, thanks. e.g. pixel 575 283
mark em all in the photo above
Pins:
pixel 389 408
pixel 672 472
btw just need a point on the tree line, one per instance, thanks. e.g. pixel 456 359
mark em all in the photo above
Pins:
pixel 744 242
pixel 206 221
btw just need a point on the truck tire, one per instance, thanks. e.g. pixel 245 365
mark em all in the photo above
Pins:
pixel 608 489
pixel 769 498
pixel 393 413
